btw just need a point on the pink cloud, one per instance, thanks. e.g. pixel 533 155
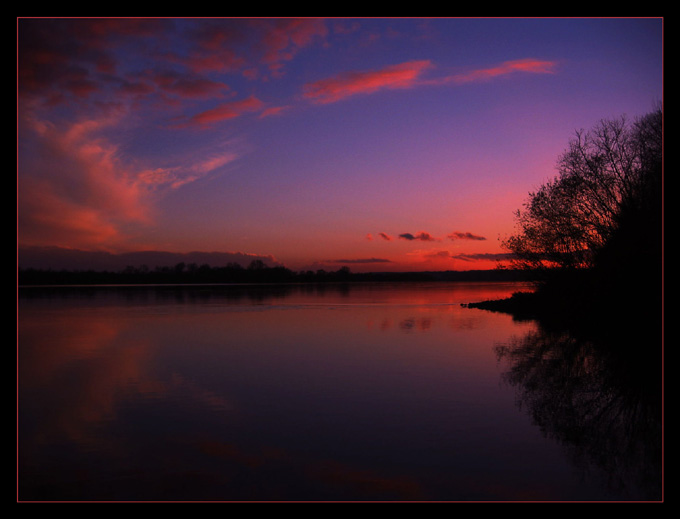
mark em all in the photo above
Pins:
pixel 75 190
pixel 227 111
pixel 61 54
pixel 530 65
pixel 185 85
pixel 273 111
pixel 46 217
pixel 404 75
pixel 283 38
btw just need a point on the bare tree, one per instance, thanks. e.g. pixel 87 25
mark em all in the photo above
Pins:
pixel 603 176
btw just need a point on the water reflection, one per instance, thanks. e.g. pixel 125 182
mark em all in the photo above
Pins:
pixel 600 398
pixel 300 393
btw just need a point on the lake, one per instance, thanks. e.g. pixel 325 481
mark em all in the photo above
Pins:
pixel 357 392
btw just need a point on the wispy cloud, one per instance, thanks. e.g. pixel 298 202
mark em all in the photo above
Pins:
pixel 409 75
pixel 283 38
pixel 273 111
pixel 529 65
pixel 78 188
pixel 227 111
pixel 401 76
pixel 75 186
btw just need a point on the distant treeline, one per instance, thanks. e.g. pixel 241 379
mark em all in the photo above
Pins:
pixel 256 272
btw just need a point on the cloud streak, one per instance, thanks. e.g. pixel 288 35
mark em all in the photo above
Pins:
pixel 529 65
pixel 360 261
pixel 227 111
pixel 410 75
pixel 330 90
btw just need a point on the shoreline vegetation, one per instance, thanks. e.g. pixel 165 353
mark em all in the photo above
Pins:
pixel 256 273
pixel 594 235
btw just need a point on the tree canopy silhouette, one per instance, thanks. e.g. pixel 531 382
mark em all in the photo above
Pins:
pixel 597 226
pixel 608 183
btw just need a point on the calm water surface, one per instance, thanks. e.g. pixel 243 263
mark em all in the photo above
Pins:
pixel 337 392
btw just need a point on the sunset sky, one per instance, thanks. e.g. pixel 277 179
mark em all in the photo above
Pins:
pixel 379 144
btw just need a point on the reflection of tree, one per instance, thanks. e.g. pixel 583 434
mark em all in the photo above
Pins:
pixel 602 405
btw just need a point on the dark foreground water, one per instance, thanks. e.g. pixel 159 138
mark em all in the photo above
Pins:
pixel 319 393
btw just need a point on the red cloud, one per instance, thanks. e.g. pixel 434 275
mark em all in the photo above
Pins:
pixel 404 75
pixel 228 111
pixel 273 111
pixel 93 194
pixel 285 37
pixel 59 53
pixel 187 86
pixel 523 65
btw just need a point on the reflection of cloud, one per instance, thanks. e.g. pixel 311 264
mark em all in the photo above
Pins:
pixel 329 473
pixel 365 482
pixel 93 393
pixel 408 325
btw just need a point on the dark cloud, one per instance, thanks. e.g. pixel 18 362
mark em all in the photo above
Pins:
pixel 361 260
pixel 484 256
pixel 422 236
pixel 457 235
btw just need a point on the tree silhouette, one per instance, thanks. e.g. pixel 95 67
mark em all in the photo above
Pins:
pixel 608 182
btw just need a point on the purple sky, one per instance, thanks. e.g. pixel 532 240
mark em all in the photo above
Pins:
pixel 380 144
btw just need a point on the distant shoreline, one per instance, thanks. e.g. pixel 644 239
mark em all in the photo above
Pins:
pixel 214 276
